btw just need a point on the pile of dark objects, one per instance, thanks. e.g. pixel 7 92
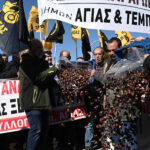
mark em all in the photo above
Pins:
pixel 130 91
pixel 72 80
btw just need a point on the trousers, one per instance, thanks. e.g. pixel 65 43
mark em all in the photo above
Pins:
pixel 38 132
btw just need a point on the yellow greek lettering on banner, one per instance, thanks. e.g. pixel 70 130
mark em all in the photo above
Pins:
pixel 76 32
pixel 34 20
pixel 11 16
pixel 124 36
pixel 2 28
pixel 47 45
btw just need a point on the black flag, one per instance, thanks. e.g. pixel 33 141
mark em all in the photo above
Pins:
pixel 23 28
pixel 13 33
pixel 103 39
pixel 85 44
pixel 56 35
pixel 31 33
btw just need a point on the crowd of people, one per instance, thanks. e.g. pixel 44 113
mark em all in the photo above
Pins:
pixel 39 92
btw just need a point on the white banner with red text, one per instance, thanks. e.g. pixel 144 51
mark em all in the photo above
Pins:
pixel 12 118
pixel 123 15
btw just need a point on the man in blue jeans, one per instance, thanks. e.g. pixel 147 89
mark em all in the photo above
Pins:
pixel 101 67
pixel 35 84
pixel 91 88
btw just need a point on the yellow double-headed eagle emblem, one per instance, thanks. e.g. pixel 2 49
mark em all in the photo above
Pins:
pixel 11 15
pixel 11 12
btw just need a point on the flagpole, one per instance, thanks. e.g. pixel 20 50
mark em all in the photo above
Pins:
pixel 76 50
pixel 55 53
pixel 40 34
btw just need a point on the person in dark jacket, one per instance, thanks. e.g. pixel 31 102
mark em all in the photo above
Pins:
pixel 5 58
pixel 10 70
pixel 146 63
pixel 35 79
pixel 48 57
pixel 2 64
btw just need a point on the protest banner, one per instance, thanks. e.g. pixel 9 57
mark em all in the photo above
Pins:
pixel 123 15
pixel 12 118
pixel 63 114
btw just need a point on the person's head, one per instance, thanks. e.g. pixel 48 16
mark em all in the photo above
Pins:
pixel 113 44
pixel 2 64
pixel 5 58
pixel 48 57
pixel 36 48
pixel 98 55
pixel 65 54
pixel 15 56
pixel 80 59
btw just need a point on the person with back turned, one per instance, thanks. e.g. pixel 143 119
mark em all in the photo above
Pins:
pixel 35 79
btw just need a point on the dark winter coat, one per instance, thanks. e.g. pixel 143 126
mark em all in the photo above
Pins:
pixel 10 70
pixel 35 83
pixel 146 63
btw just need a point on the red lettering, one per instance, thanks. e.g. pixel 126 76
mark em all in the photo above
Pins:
pixel 5 89
pixel 146 3
pixel 134 1
pixel 12 87
pixel 18 86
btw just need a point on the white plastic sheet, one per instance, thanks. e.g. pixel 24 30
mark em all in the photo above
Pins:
pixel 133 59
